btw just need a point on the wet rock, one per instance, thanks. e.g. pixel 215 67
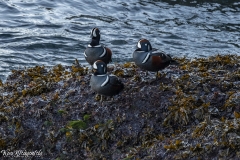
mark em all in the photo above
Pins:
pixel 190 112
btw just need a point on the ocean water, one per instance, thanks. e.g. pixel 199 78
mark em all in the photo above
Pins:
pixel 50 32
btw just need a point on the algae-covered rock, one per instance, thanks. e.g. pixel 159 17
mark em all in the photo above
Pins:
pixel 190 112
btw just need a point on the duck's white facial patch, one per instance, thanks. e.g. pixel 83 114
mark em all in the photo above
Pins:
pixel 139 44
pixel 104 52
pixel 94 33
pixel 105 82
pixel 146 58
pixel 94 65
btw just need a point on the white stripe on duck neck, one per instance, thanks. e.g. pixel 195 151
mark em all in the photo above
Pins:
pixel 95 46
pixel 101 75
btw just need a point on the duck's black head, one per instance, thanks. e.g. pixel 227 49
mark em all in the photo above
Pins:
pixel 99 68
pixel 144 45
pixel 95 35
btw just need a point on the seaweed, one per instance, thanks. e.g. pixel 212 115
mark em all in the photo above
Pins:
pixel 190 112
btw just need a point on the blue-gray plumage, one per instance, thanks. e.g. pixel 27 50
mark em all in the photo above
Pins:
pixel 102 83
pixel 151 59
pixel 96 51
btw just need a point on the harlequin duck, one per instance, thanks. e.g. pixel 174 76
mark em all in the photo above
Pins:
pixel 96 51
pixel 102 83
pixel 151 59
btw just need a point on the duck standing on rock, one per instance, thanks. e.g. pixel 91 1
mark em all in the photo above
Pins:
pixel 151 59
pixel 102 83
pixel 96 51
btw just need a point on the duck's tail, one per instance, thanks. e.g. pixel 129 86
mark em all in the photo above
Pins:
pixel 172 61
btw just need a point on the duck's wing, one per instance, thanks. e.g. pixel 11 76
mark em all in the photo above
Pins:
pixel 114 81
pixel 164 57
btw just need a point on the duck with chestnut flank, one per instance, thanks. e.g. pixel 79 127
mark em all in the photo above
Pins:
pixel 102 83
pixel 96 51
pixel 150 59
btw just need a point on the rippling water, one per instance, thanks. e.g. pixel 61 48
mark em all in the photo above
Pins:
pixel 50 32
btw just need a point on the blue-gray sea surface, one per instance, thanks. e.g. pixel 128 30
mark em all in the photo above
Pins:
pixel 49 32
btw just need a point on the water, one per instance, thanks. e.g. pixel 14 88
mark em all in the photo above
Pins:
pixel 49 32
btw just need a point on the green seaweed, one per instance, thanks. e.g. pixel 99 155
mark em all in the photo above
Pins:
pixel 77 124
